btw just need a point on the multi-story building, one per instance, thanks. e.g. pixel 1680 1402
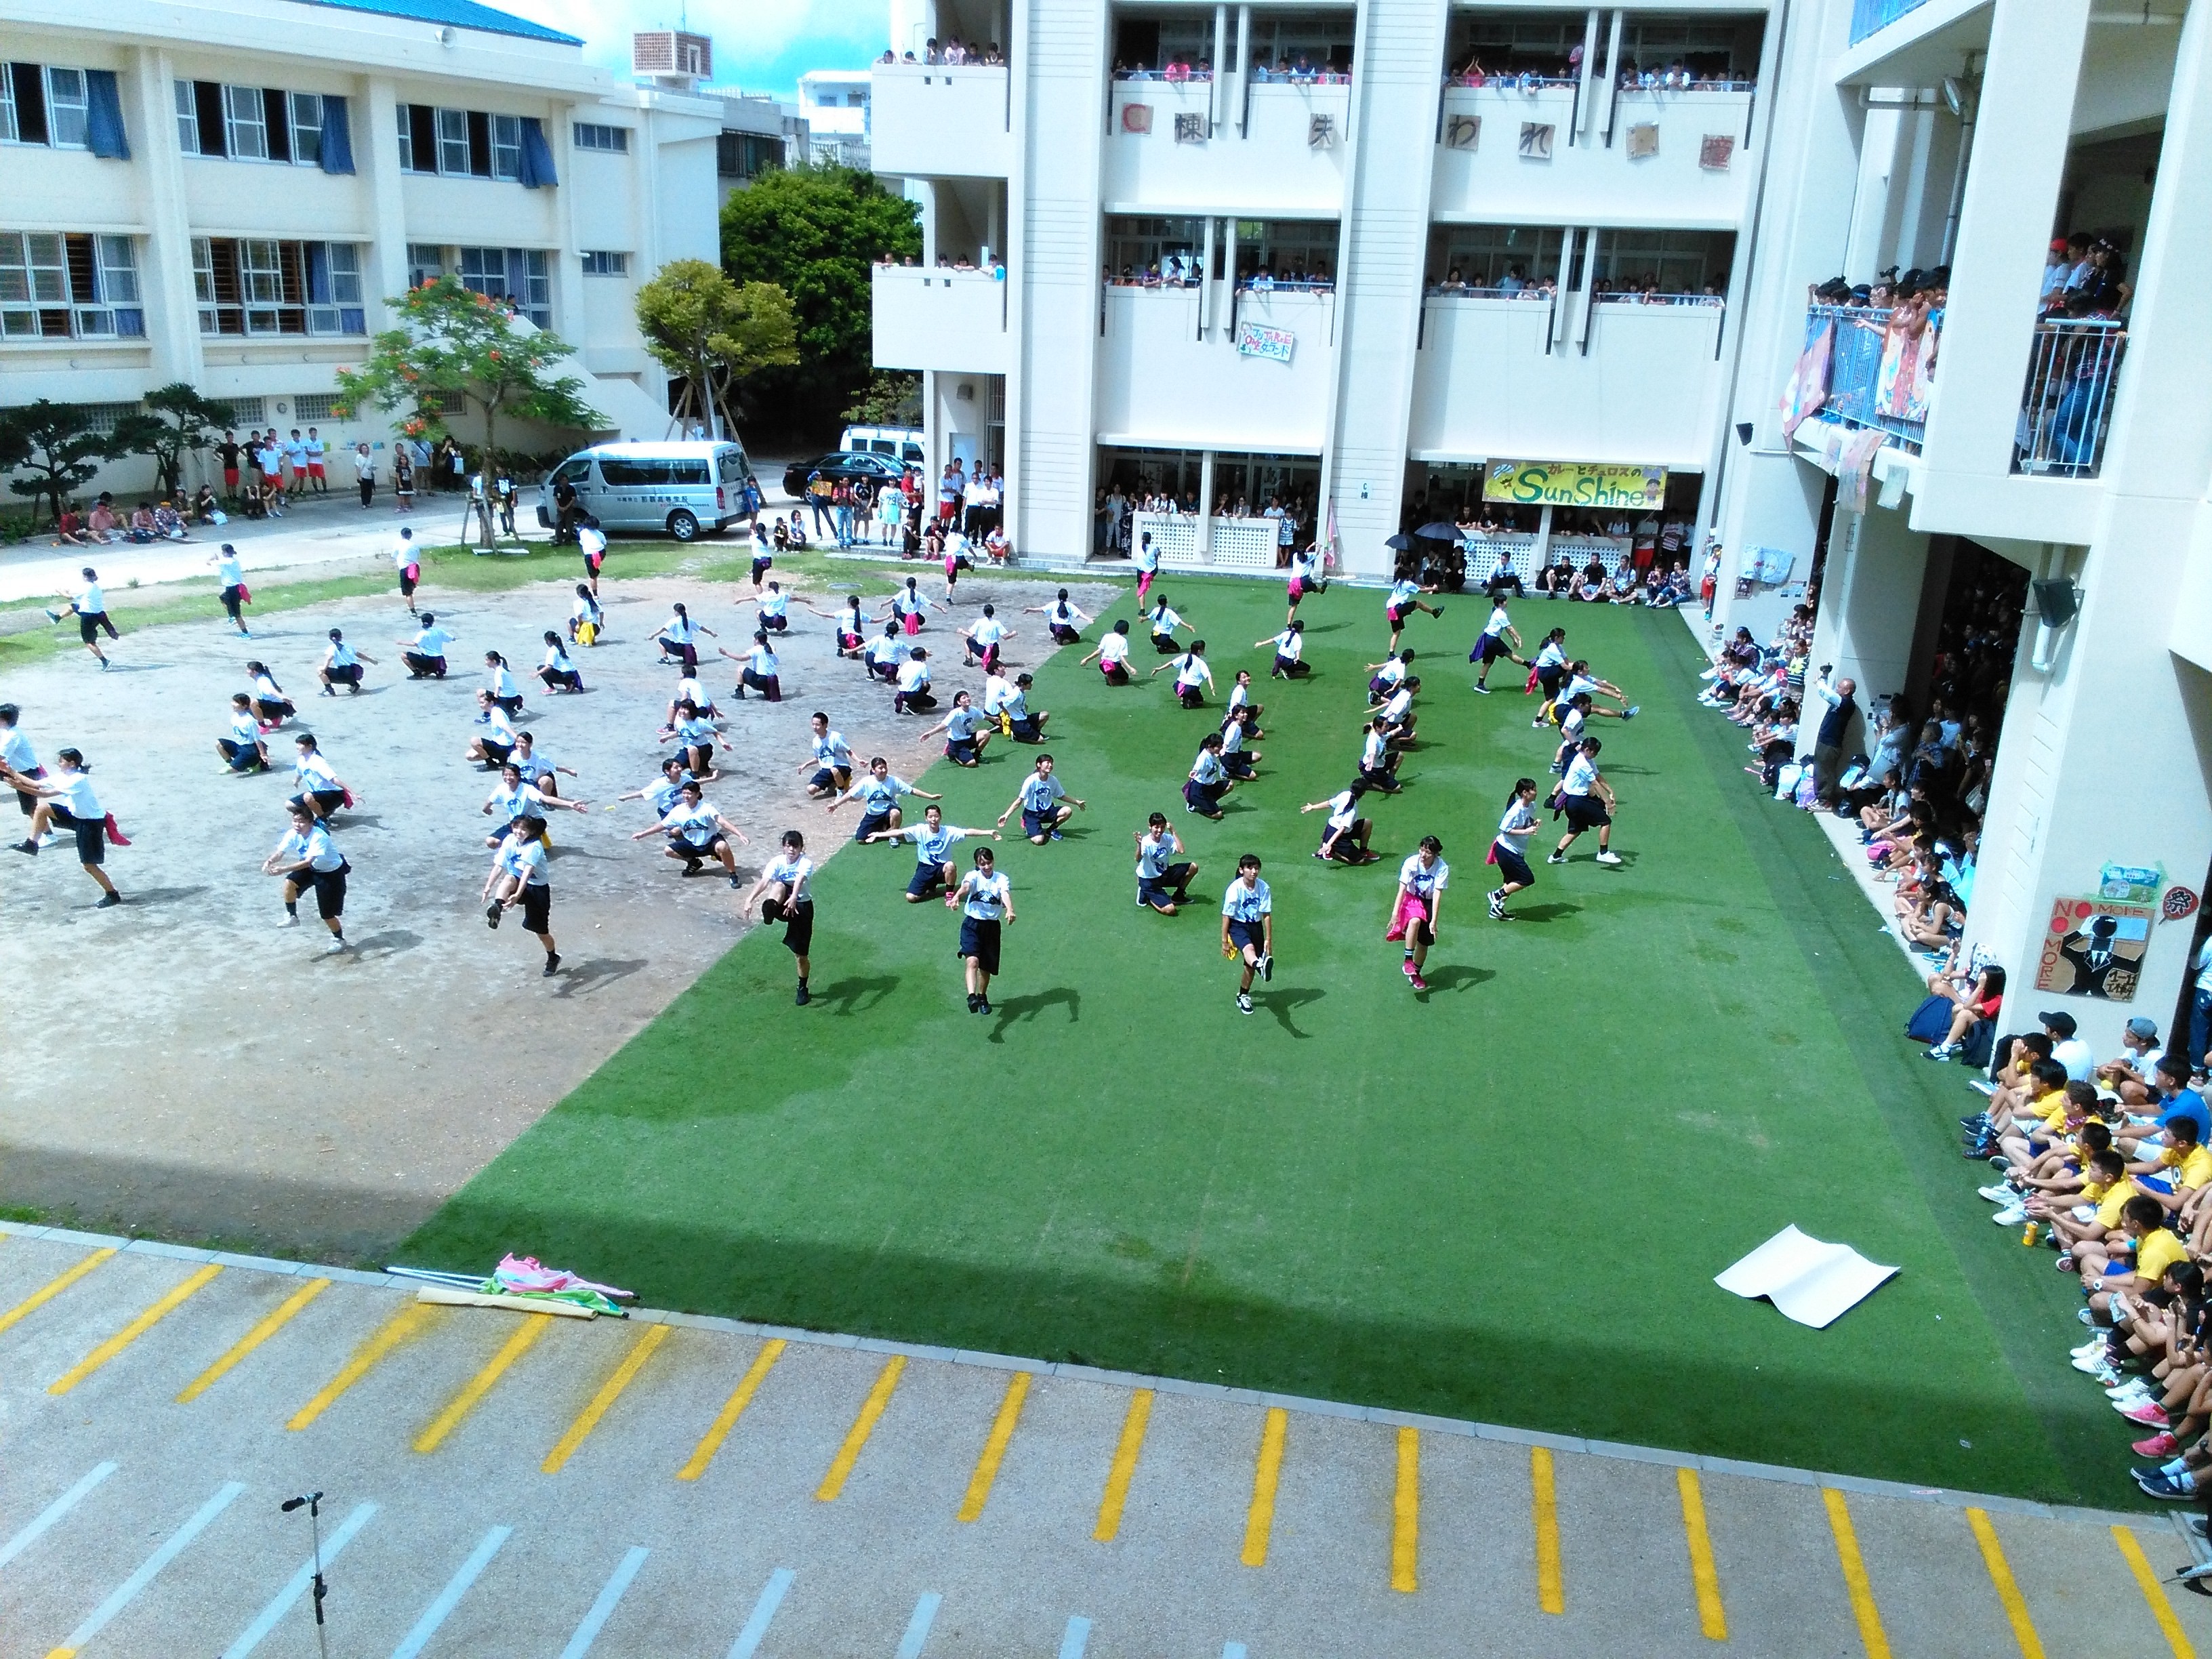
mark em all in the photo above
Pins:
pixel 1578 239
pixel 225 194
pixel 837 107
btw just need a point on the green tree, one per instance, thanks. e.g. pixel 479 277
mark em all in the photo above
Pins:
pixel 815 232
pixel 177 419
pixel 451 341
pixel 58 445
pixel 715 332
pixel 892 397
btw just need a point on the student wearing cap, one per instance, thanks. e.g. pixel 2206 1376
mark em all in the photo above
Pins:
pixel 2130 1076
pixel 2067 1049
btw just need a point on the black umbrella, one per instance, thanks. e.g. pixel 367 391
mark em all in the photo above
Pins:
pixel 1439 531
pixel 1402 543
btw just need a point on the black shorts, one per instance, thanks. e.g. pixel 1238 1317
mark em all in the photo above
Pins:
pixel 91 835
pixel 776 624
pixel 761 566
pixel 836 778
pixel 705 751
pixel 1248 935
pixel 1201 797
pixel 89 623
pixel 1165 645
pixel 537 907
pixel 408 577
pixel 1042 824
pixel 330 891
pixel 1164 888
pixel 324 801
pixel 798 926
pixel 871 823
pixel 1396 613
pixel 232 596
pixel 1026 730
pixel 1548 679
pixel 1512 868
pixel 273 712
pixel 1586 812
pixel 495 751
pixel 978 941
pixel 1492 647
pixel 348 674
pixel 926 879
pixel 1289 667
pixel 711 847
pixel 26 802
pixel 961 752
pixel 1063 634
pixel 418 664
pixel 768 686
pixel 242 756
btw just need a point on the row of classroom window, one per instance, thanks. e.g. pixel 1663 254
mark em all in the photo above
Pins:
pixel 70 285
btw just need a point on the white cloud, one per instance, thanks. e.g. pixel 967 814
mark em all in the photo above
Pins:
pixel 758 44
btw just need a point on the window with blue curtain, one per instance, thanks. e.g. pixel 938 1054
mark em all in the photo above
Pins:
pixel 103 122
pixel 537 155
pixel 338 136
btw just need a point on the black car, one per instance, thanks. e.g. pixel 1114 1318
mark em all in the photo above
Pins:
pixel 841 465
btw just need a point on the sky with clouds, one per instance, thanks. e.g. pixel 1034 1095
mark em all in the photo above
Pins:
pixel 762 46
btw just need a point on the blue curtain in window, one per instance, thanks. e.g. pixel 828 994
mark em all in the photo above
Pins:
pixel 319 274
pixel 536 157
pixel 338 136
pixel 103 116
pixel 517 276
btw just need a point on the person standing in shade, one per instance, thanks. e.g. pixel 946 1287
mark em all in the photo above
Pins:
pixel 89 607
pixel 1038 800
pixel 986 901
pixel 364 472
pixel 1587 799
pixel 1112 655
pixel 1510 851
pixel 230 578
pixel 407 559
pixel 403 478
pixel 1404 599
pixel 1499 639
pixel 879 794
pixel 1248 928
pixel 520 874
pixel 425 654
pixel 784 893
pixel 1418 908
pixel 934 840
pixel 1835 731
pixel 66 800
pixel 1164 877
pixel 307 857
pixel 226 457
pixel 318 474
pixel 341 666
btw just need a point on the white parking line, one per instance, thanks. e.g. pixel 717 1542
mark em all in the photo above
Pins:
pixel 127 1591
pixel 917 1628
pixel 603 1609
pixel 1075 1637
pixel 53 1512
pixel 771 1598
pixel 450 1597
pixel 273 1614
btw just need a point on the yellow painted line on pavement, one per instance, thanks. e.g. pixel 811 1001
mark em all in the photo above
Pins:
pixel 1712 1617
pixel 2015 1606
pixel 732 1408
pixel 2153 1592
pixel 517 1345
pixel 1855 1575
pixel 1406 1514
pixel 633 1362
pixel 995 1448
pixel 254 1339
pixel 863 1425
pixel 53 1288
pixel 1551 1586
pixel 169 1303
pixel 409 1322
pixel 1123 1469
pixel 1267 1475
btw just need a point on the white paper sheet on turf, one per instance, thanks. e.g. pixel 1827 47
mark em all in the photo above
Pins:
pixel 1805 1279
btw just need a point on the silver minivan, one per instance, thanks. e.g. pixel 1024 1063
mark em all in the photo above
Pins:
pixel 681 486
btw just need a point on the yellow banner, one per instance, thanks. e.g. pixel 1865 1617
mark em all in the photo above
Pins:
pixel 1575 483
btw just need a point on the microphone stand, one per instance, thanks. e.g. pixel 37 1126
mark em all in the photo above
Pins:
pixel 314 1500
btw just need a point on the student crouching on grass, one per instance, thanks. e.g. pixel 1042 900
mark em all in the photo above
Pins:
pixel 1112 655
pixel 934 840
pixel 1039 800
pixel 966 732
pixel 1164 877
pixel 784 894
pixel 1192 676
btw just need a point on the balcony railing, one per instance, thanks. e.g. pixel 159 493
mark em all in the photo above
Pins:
pixel 1870 16
pixel 1872 372
pixel 2066 410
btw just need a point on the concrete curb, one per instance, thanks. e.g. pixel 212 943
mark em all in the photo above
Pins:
pixel 1382 1416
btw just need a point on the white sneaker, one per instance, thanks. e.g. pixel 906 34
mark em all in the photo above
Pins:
pixel 2000 1193
pixel 336 947
pixel 1608 858
pixel 2015 1217
pixel 289 922
pixel 1984 1085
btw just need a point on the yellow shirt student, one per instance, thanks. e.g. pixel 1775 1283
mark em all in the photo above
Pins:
pixel 2111 1200
pixel 2158 1251
pixel 2196 1169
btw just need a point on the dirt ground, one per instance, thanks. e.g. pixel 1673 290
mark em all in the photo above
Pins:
pixel 183 1066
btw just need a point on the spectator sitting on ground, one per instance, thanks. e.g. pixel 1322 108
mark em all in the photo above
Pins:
pixel 68 529
pixel 1983 999
pixel 102 525
pixel 169 524
pixel 203 506
pixel 142 522
pixel 2130 1076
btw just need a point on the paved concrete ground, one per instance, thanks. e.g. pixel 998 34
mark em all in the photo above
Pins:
pixel 498 1484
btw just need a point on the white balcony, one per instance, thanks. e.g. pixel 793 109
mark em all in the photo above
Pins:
pixel 942 121
pixel 1695 173
pixel 1280 166
pixel 1646 391
pixel 951 320
pixel 1160 384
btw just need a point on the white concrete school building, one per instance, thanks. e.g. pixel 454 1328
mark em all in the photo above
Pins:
pixel 225 194
pixel 1585 238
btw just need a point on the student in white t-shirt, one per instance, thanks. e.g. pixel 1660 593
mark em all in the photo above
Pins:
pixel 1192 676
pixel 1112 655
pixel 1499 639
pixel 1345 834
pixel 784 893
pixel 696 832
pixel 1587 799
pixel 984 900
pixel 306 857
pixel 914 695
pixel 1248 928
pixel 342 665
pixel 520 875
pixel 1510 851
pixel 65 799
pixel 1164 877
pixel 1038 800
pixel 1062 620
pixel 1419 907
pixel 981 640
pixel 1290 651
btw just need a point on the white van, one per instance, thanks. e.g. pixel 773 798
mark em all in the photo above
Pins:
pixel 900 443
pixel 682 486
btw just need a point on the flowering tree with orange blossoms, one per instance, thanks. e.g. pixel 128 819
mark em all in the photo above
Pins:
pixel 452 340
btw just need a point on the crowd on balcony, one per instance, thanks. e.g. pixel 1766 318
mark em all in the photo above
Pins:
pixel 2084 276
pixel 1298 69
pixel 1677 75
pixel 951 54
pixel 1115 510
pixel 1185 270
pixel 1517 284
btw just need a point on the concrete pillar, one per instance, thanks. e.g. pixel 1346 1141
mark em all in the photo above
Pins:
pixel 165 277
pixel 376 154
pixel 1871 592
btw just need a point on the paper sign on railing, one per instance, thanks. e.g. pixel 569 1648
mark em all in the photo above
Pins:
pixel 1254 340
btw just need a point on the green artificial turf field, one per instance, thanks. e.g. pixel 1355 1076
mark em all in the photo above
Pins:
pixel 1503 1200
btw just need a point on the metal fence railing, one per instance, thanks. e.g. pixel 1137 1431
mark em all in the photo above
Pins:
pixel 1868 15
pixel 2066 406
pixel 1876 380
